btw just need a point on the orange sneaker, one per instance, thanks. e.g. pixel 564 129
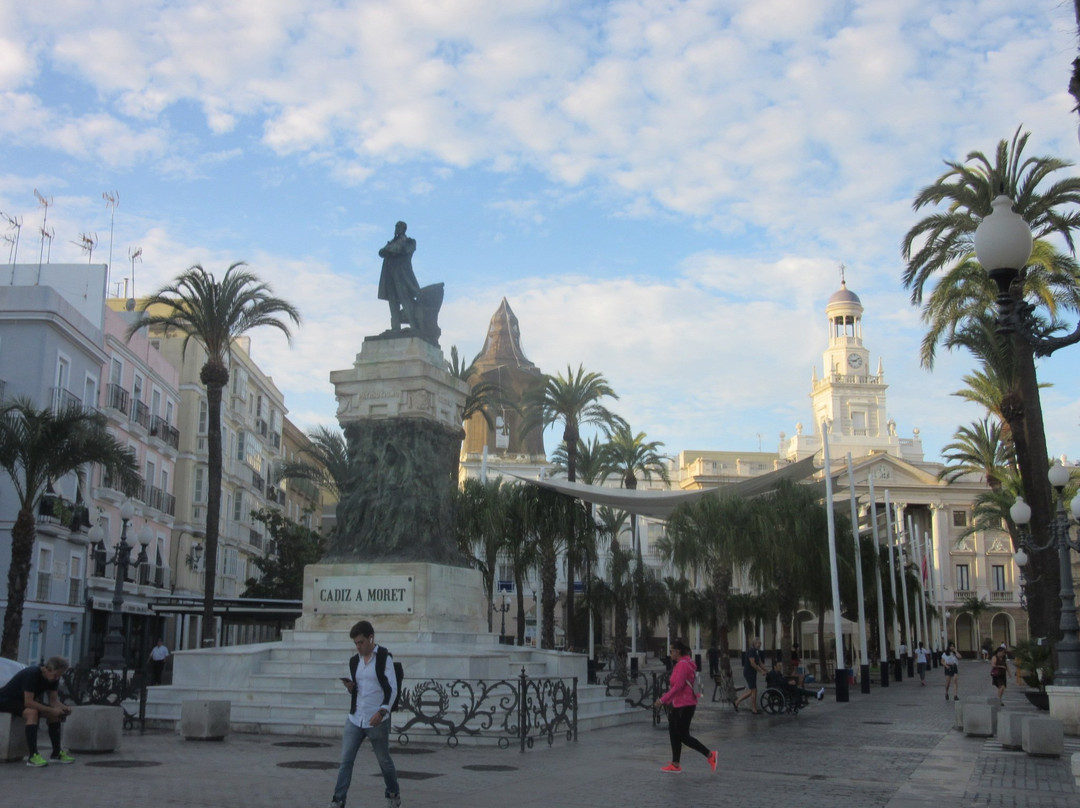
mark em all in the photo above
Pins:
pixel 672 767
pixel 713 759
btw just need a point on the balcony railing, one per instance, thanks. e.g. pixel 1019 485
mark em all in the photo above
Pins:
pixel 153 575
pixel 54 510
pixel 140 414
pixel 964 594
pixel 162 430
pixel 1002 596
pixel 117 398
pixel 64 400
pixel 160 500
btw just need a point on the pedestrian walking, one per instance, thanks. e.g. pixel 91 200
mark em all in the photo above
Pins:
pixel 952 672
pixel 753 663
pixel 682 700
pixel 999 672
pixel 372 687
pixel 921 658
pixel 158 654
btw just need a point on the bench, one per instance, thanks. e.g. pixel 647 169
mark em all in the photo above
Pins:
pixel 12 738
pixel 724 688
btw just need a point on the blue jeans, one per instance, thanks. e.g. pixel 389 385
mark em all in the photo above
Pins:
pixel 380 744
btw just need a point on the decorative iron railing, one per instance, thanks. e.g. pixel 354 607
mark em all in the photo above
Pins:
pixel 125 689
pixel 522 710
pixel 637 688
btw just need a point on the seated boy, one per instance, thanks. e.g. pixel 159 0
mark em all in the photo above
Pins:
pixel 787 684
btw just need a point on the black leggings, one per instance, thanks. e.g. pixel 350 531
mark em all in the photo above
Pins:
pixel 679 729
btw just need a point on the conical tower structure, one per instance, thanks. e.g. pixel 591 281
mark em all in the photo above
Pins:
pixel 502 362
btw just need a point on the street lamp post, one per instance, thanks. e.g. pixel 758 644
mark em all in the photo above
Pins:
pixel 1068 648
pixel 113 656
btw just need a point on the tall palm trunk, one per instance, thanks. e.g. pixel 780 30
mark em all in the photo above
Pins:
pixel 22 549
pixel 1043 604
pixel 571 551
pixel 212 378
pixel 722 590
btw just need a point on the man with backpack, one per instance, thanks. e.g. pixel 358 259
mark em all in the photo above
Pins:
pixel 373 687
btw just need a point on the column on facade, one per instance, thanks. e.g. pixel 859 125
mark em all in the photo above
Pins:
pixel 939 536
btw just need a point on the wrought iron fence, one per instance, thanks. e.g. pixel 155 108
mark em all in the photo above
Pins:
pixel 82 685
pixel 637 688
pixel 522 710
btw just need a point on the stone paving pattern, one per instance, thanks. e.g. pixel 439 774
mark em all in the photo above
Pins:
pixel 895 747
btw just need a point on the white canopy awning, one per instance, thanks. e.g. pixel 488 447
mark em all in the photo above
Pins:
pixel 661 504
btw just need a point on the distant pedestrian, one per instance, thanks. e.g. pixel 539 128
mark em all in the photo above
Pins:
pixel 999 672
pixel 373 690
pixel 753 663
pixel 921 656
pixel 952 672
pixel 714 661
pixel 158 654
pixel 903 653
pixel 682 701
pixel 26 694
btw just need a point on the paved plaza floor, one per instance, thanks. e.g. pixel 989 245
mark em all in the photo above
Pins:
pixel 895 747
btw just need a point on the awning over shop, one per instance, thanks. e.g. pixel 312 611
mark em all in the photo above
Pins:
pixel 232 610
pixel 661 504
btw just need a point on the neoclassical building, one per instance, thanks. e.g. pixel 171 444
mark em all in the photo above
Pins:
pixel 930 517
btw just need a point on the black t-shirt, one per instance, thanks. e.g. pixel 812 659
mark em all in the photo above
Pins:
pixel 28 680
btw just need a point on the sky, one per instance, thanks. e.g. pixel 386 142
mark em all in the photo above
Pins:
pixel 664 191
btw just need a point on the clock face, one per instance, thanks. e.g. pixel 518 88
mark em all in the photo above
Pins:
pixel 854 360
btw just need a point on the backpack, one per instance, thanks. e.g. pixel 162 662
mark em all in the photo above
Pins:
pixel 380 673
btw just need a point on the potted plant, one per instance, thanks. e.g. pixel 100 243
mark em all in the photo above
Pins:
pixel 1035 665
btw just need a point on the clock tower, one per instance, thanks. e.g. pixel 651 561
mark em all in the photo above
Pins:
pixel 849 394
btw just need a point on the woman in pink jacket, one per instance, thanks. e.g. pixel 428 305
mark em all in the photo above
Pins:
pixel 682 700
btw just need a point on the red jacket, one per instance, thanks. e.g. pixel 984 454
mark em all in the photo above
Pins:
pixel 681 692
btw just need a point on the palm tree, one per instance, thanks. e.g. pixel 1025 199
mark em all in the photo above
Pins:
pixel 522 516
pixel 975 607
pixel 788 528
pixel 942 245
pixel 590 465
pixel 629 455
pixel 612 522
pixel 481 525
pixel 324 462
pixel 37 448
pixel 573 400
pixel 705 535
pixel 214 313
pixel 977 449
pixel 483 396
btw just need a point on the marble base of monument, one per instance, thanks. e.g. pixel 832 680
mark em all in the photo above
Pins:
pixel 423 600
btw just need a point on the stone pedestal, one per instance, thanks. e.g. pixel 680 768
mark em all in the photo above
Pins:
pixel 400 410
pixel 94 728
pixel 410 597
pixel 1065 707
pixel 205 720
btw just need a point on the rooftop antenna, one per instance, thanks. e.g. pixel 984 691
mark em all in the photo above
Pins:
pixel 86 242
pixel 112 199
pixel 47 233
pixel 135 254
pixel 118 284
pixel 14 223
pixel 44 203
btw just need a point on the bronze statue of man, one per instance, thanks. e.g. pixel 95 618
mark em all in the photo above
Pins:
pixel 397 283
